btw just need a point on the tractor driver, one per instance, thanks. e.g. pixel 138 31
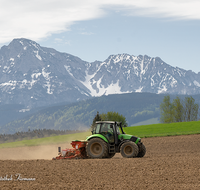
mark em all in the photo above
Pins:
pixel 105 128
pixel 107 131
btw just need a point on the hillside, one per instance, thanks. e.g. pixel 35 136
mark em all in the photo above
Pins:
pixel 136 107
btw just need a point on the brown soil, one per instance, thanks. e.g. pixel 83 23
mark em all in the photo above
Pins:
pixel 170 163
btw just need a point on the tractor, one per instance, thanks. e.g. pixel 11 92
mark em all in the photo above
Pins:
pixel 107 139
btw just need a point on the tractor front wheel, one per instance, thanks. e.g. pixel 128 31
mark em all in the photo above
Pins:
pixel 97 148
pixel 129 149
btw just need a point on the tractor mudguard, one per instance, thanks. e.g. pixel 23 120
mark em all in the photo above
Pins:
pixel 97 136
pixel 121 144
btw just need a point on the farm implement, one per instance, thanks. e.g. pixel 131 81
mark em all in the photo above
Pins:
pixel 107 139
pixel 78 151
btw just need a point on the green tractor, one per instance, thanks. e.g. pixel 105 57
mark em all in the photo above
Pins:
pixel 109 138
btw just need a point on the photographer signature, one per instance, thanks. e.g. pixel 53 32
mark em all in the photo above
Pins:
pixel 16 177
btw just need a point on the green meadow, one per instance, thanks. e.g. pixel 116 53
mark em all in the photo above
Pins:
pixel 143 131
pixel 166 129
pixel 47 140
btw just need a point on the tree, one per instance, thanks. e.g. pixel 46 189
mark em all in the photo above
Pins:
pixel 178 111
pixel 166 110
pixel 114 116
pixel 96 118
pixel 190 109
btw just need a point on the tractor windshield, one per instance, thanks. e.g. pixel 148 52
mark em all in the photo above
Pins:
pixel 118 131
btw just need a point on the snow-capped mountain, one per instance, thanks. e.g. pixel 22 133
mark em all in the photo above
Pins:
pixel 37 76
pixel 125 73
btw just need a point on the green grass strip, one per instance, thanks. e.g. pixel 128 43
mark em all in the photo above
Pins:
pixel 167 129
pixel 47 140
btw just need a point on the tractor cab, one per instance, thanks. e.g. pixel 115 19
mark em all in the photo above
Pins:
pixel 106 129
pixel 113 131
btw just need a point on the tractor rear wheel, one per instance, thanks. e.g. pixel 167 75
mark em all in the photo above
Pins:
pixel 142 151
pixel 97 148
pixel 129 149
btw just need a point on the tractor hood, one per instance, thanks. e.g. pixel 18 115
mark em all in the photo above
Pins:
pixel 129 137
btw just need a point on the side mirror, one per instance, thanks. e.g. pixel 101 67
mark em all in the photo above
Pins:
pixel 111 126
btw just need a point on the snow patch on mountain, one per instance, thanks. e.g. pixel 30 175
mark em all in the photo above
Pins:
pixel 37 55
pixel 68 68
pixel 88 84
pixel 46 74
pixel 98 89
pixel 174 82
pixel 111 89
pixel 8 84
pixel 21 42
pixel 162 89
pixel 196 83
pixel 35 75
pixel 48 85
pixel 139 89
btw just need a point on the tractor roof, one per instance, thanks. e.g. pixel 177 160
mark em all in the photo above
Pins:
pixel 111 122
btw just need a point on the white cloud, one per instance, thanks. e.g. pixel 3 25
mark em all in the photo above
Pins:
pixel 36 19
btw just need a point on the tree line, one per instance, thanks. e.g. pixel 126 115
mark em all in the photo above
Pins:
pixel 179 110
pixel 40 133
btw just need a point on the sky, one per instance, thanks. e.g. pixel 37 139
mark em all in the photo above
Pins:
pixel 95 29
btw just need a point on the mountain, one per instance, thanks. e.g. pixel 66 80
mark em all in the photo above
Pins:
pixel 125 73
pixel 35 76
pixel 63 87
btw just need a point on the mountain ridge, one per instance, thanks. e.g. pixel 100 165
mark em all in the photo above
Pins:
pixel 36 76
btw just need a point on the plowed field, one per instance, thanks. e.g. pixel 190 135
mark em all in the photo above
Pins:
pixel 170 163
